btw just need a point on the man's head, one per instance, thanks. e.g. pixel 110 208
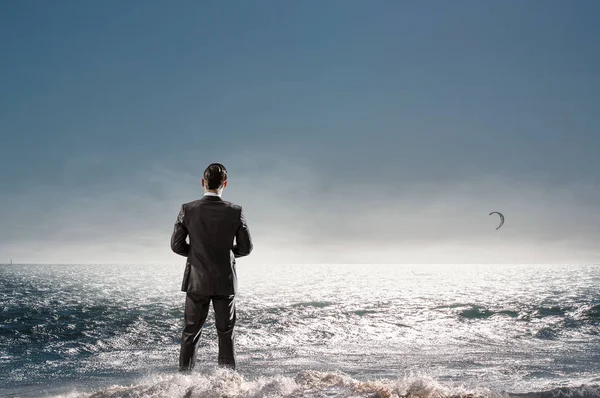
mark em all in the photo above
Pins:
pixel 215 177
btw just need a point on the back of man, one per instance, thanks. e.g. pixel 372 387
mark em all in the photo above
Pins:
pixel 210 275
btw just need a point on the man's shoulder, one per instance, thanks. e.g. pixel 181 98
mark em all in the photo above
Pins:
pixel 191 204
pixel 233 205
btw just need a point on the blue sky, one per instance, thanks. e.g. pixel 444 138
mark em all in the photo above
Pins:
pixel 444 111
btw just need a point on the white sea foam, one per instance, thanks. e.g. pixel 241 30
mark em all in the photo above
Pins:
pixel 223 383
pixel 312 384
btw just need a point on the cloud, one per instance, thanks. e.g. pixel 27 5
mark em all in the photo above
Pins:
pixel 425 221
pixel 299 213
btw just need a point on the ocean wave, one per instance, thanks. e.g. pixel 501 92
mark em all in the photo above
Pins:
pixel 316 304
pixel 63 326
pixel 592 391
pixel 591 314
pixel 308 384
pixel 546 333
pixel 571 317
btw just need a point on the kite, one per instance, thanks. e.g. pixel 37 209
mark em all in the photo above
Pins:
pixel 501 218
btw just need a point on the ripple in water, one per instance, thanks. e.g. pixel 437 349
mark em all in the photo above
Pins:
pixel 500 328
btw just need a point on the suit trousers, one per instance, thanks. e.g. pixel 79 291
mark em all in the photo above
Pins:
pixel 196 311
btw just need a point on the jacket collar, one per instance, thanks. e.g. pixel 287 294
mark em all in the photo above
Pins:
pixel 211 198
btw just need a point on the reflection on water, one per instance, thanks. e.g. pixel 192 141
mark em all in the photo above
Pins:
pixel 503 327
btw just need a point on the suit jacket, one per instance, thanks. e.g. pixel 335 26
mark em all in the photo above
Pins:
pixel 212 224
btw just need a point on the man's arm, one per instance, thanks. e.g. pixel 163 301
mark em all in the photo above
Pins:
pixel 243 242
pixel 180 232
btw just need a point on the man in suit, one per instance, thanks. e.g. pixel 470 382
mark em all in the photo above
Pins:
pixel 211 224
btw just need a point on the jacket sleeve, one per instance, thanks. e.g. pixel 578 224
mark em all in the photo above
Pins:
pixel 243 241
pixel 180 233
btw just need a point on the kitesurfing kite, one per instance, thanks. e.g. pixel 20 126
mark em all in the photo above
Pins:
pixel 501 218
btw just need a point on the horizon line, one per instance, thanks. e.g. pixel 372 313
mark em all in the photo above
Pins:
pixel 311 263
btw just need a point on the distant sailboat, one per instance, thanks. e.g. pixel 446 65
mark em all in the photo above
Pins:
pixel 11 261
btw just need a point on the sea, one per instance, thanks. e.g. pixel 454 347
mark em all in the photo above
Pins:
pixel 322 330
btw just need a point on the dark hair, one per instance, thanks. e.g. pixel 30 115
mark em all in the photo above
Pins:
pixel 215 175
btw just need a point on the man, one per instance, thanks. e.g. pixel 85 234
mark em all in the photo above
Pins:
pixel 212 224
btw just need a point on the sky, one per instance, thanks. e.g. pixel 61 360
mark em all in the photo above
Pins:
pixel 353 131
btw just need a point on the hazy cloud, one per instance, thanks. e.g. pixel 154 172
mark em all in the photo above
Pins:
pixel 298 213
